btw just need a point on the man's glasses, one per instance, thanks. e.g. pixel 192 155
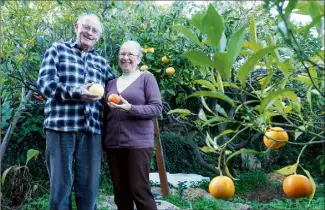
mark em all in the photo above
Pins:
pixel 89 28
pixel 129 55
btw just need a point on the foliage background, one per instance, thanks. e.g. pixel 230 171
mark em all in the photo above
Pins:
pixel 29 27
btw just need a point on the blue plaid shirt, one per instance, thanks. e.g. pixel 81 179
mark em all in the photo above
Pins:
pixel 63 71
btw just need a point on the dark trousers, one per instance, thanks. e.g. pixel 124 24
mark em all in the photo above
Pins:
pixel 129 169
pixel 62 150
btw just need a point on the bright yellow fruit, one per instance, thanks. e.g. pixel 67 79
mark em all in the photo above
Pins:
pixel 151 50
pixel 144 67
pixel 165 59
pixel 170 71
pixel 97 89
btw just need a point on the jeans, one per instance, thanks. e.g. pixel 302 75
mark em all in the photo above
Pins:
pixel 62 150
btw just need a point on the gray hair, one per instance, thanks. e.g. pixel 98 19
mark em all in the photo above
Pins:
pixel 136 44
pixel 83 16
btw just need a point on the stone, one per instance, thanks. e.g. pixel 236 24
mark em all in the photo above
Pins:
pixel 107 202
pixel 250 162
pixel 179 178
pixel 194 193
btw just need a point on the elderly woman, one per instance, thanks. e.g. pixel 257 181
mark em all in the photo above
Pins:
pixel 128 137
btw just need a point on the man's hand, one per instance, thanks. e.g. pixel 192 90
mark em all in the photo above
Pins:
pixel 86 95
pixel 124 106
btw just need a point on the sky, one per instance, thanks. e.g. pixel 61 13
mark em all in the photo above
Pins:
pixel 304 19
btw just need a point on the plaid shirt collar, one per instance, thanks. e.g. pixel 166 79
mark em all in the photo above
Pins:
pixel 73 43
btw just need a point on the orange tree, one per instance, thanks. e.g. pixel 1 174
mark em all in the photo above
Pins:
pixel 259 81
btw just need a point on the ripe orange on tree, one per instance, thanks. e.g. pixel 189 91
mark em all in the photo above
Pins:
pixel 222 187
pixel 165 59
pixel 144 68
pixel 114 98
pixel 276 133
pixel 297 186
pixel 170 71
pixel 150 50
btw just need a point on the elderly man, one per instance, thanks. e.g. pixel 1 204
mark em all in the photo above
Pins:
pixel 73 115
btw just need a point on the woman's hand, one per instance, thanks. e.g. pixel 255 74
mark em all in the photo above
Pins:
pixel 124 106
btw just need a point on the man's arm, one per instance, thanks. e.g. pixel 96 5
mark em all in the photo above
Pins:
pixel 49 84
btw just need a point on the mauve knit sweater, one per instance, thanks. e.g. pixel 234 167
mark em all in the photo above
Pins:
pixel 133 129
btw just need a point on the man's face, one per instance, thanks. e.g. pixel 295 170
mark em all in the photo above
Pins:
pixel 129 58
pixel 88 32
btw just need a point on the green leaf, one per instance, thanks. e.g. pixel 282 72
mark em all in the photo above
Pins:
pixel 180 111
pixel 308 96
pixel 202 115
pixel 4 174
pixel 243 150
pixel 205 105
pixel 207 149
pixel 213 94
pixel 235 44
pixel 188 33
pixel 223 43
pixel 304 79
pixel 220 110
pixel 197 21
pixel 220 84
pixel 298 132
pixel 245 69
pixel 206 84
pixel 198 58
pixel 213 25
pixel 31 153
pixel 289 8
pixel 213 79
pixel 288 170
pixel 267 80
pixel 215 120
pixel 225 132
pixel 274 95
pixel 228 173
pixel 252 29
pixel 221 63
pixel 172 92
pixel 315 12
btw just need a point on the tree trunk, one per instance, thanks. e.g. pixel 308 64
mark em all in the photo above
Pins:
pixel 13 124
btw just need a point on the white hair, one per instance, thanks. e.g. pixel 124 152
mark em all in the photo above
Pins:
pixel 136 44
pixel 92 15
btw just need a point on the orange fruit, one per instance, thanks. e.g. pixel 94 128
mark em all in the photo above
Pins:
pixel 275 133
pixel 144 67
pixel 150 50
pixel 297 186
pixel 165 59
pixel 114 98
pixel 97 89
pixel 170 71
pixel 222 187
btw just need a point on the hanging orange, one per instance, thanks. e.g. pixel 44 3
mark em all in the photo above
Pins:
pixel 297 186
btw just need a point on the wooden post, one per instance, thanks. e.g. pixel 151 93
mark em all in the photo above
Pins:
pixel 160 160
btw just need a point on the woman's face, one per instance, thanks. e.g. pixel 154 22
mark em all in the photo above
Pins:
pixel 129 58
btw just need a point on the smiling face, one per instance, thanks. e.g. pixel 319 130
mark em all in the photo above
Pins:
pixel 129 57
pixel 88 30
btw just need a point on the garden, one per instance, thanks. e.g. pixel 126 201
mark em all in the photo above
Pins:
pixel 242 84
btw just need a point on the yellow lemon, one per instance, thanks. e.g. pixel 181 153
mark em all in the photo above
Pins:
pixel 151 50
pixel 144 67
pixel 170 71
pixel 165 59
pixel 97 89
